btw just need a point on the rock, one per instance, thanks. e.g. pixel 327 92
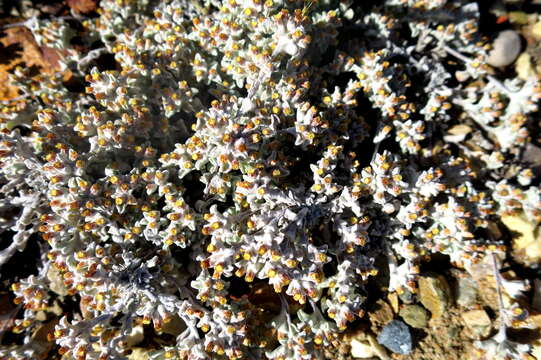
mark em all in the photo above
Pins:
pixel 457 133
pixel 536 349
pixel 466 291
pixel 518 17
pixel 139 354
pixel 483 274
pixel 526 244
pixel 135 336
pixel 393 301
pixel 364 345
pixel 514 287
pixel 533 321
pixel 406 296
pixel 40 316
pixel 362 350
pixel 478 322
pixel 382 313
pixel 396 337
pixel 536 31
pixel 524 66
pixel 505 49
pixel 380 350
pixel 462 76
pixel 459 129
pixel 434 294
pixel 415 316
pixel 56 308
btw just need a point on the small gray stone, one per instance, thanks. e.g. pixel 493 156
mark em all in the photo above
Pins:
pixel 406 296
pixel 466 290
pixel 396 337
pixel 505 49
pixel 415 316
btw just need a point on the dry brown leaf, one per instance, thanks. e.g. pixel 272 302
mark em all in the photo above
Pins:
pixel 18 48
pixel 82 6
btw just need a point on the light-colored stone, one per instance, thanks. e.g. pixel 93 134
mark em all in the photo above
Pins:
pixel 415 316
pixel 533 321
pixel 536 349
pixel 460 129
pixel 379 349
pixel 365 344
pixel 536 31
pixel 466 291
pixel 483 274
pixel 56 308
pixel 526 243
pixel 524 67
pixel 457 133
pixel 393 301
pixel 434 294
pixel 362 350
pixel 139 354
pixel 505 49
pixel 462 76
pixel 136 335
pixel 478 322
pixel 40 316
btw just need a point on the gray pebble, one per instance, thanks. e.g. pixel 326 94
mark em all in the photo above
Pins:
pixel 505 49
pixel 396 337
pixel 466 291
